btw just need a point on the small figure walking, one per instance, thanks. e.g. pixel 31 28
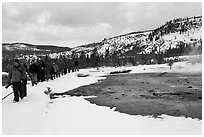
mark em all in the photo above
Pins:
pixel 170 63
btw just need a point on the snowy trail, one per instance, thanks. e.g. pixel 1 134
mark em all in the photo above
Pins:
pixel 29 115
pixel 74 115
pixel 25 114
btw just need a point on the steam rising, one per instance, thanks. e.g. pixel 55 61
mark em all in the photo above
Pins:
pixel 192 65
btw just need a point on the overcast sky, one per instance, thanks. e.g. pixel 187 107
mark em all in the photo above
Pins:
pixel 73 24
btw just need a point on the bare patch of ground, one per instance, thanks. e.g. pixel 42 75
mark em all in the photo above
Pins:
pixel 153 94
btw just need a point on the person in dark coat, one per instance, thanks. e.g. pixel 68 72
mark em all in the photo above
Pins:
pixel 65 70
pixel 76 65
pixel 52 72
pixel 34 70
pixel 15 77
pixel 42 67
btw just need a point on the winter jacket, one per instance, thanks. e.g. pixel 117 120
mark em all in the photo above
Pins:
pixel 34 68
pixel 15 74
pixel 24 70
pixel 42 66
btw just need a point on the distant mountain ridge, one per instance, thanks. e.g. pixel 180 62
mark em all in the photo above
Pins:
pixel 25 48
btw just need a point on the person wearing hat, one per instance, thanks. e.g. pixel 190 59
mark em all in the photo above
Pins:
pixel 15 77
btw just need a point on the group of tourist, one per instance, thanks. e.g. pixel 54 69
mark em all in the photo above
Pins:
pixel 37 71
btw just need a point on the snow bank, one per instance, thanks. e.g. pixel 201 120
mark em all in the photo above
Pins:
pixel 81 117
pixel 4 73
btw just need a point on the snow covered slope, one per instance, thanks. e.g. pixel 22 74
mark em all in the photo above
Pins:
pixel 172 34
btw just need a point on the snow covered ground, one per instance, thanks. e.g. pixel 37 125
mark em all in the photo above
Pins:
pixel 38 115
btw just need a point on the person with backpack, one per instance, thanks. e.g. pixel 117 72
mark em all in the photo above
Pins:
pixel 16 78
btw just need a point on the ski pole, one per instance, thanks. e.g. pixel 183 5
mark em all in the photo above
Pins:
pixel 7 96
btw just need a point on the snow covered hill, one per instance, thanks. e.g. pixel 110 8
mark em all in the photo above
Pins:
pixel 18 46
pixel 172 35
pixel 31 47
pixel 12 49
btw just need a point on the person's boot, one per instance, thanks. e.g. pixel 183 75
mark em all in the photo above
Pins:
pixel 14 101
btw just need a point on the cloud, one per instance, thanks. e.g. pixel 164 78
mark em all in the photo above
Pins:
pixel 63 32
pixel 86 14
pixel 150 15
pixel 70 22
